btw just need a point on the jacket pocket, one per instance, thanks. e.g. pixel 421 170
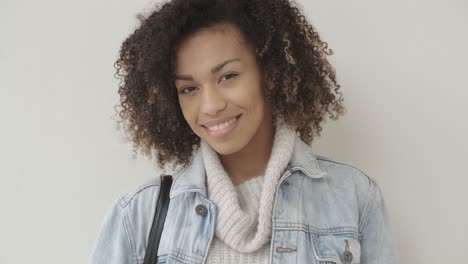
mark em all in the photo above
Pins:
pixel 176 259
pixel 337 248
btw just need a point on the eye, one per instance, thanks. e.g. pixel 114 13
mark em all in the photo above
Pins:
pixel 229 76
pixel 187 90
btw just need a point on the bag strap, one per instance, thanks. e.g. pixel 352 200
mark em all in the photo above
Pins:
pixel 158 220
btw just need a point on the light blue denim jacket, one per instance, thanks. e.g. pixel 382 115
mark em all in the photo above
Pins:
pixel 324 212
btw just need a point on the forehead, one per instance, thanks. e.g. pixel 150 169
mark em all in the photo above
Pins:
pixel 207 47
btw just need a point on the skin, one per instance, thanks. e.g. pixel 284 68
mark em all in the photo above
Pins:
pixel 235 87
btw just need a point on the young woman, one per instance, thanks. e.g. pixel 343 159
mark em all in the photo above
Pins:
pixel 233 92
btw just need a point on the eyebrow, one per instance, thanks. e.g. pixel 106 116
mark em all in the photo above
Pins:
pixel 214 70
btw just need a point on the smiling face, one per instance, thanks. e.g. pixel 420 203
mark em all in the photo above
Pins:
pixel 220 92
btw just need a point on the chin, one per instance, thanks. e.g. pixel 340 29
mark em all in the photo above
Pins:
pixel 226 148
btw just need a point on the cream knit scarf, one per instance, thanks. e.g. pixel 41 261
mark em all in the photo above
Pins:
pixel 236 228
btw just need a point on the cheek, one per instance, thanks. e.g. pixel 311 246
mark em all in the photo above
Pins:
pixel 258 105
pixel 249 94
pixel 254 99
pixel 189 110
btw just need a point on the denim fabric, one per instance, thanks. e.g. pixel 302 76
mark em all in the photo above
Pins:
pixel 324 212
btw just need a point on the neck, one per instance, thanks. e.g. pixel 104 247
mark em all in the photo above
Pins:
pixel 252 160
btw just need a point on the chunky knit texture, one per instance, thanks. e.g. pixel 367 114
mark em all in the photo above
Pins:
pixel 242 231
pixel 249 200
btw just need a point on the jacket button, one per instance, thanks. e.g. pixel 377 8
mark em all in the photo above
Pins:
pixel 284 183
pixel 201 210
pixel 347 255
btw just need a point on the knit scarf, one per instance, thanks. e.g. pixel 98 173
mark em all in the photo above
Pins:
pixel 238 229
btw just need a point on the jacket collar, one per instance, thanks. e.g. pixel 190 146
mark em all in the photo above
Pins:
pixel 192 178
pixel 305 160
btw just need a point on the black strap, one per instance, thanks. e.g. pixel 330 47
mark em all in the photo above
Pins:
pixel 158 220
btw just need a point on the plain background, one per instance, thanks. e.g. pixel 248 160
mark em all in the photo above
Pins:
pixel 402 66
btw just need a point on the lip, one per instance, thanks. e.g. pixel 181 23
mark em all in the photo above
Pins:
pixel 225 130
pixel 219 121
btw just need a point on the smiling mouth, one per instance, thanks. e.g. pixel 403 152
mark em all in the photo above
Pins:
pixel 223 124
pixel 223 128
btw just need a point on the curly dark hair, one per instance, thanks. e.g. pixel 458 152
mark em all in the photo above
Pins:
pixel 300 82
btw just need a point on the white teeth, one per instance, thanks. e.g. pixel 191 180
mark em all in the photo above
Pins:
pixel 222 126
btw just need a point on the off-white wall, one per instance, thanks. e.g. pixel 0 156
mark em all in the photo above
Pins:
pixel 401 64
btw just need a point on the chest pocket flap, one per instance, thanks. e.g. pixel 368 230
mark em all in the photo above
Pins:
pixel 338 248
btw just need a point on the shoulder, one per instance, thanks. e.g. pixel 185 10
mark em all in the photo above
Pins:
pixel 344 172
pixel 352 181
pixel 123 233
pixel 117 240
pixel 139 193
pixel 333 173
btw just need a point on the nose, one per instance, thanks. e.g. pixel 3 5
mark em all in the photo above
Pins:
pixel 212 101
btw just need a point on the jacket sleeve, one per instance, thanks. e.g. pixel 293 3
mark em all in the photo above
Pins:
pixel 378 244
pixel 113 243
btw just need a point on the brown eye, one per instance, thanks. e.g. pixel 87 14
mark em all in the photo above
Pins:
pixel 187 90
pixel 229 76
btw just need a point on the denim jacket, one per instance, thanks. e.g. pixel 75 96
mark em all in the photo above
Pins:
pixel 324 212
